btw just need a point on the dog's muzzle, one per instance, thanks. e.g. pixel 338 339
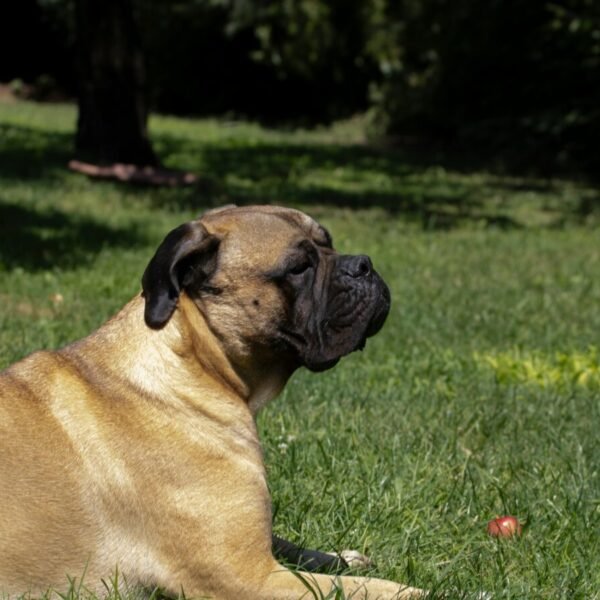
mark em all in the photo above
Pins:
pixel 360 268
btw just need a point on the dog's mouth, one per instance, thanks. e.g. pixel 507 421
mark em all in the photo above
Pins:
pixel 378 319
pixel 338 338
pixel 354 304
pixel 381 311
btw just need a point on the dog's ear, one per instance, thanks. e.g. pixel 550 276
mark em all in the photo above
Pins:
pixel 186 257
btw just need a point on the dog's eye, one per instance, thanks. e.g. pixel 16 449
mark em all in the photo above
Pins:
pixel 300 267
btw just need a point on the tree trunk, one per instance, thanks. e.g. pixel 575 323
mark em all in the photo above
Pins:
pixel 111 126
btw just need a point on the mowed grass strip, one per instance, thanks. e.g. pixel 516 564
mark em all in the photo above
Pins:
pixel 477 398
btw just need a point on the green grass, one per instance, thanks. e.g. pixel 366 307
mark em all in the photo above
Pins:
pixel 481 395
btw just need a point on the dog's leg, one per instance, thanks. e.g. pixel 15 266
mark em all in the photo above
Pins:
pixel 312 561
pixel 282 584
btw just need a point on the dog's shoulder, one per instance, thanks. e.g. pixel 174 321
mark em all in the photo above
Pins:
pixel 36 378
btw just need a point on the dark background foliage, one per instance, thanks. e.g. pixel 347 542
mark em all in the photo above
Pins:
pixel 513 82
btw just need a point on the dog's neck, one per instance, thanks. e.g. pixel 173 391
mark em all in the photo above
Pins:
pixel 257 384
pixel 181 360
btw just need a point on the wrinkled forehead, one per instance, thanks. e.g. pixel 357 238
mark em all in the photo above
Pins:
pixel 265 227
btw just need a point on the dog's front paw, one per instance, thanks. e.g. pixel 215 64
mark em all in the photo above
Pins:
pixel 356 561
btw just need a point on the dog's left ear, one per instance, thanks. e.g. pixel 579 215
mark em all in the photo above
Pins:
pixel 187 256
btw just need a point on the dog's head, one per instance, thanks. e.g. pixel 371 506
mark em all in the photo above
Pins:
pixel 269 283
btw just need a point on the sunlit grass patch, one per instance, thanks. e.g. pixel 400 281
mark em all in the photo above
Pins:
pixel 563 369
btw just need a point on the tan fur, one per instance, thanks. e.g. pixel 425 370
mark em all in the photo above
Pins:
pixel 137 448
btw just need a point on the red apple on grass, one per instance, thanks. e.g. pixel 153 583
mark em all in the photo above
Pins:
pixel 504 527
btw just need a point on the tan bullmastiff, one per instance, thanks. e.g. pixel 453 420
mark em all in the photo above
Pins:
pixel 135 449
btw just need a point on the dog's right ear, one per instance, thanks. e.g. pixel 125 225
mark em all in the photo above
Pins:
pixel 187 256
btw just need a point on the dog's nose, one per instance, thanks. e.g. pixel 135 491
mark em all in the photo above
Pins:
pixel 357 266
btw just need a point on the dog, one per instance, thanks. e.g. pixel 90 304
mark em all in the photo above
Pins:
pixel 136 449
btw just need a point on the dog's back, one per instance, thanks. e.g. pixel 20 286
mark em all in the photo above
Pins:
pixel 40 499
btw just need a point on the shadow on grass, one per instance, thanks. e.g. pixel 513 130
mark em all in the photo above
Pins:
pixel 35 240
pixel 29 153
pixel 435 192
pixel 430 188
pixel 345 176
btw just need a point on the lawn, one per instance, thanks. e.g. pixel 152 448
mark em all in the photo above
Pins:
pixel 481 395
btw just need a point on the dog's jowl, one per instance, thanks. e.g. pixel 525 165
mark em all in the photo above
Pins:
pixel 135 449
